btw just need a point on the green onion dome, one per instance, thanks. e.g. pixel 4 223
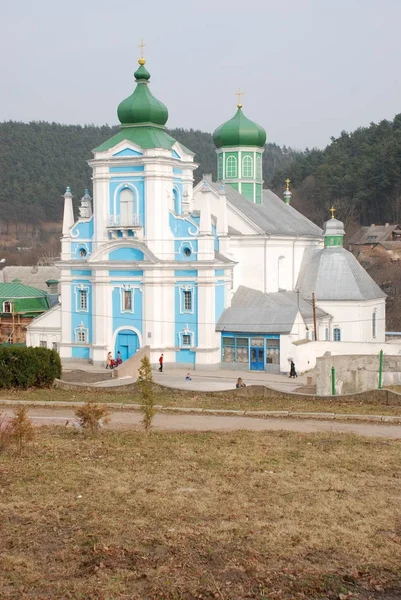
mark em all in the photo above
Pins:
pixel 239 131
pixel 142 108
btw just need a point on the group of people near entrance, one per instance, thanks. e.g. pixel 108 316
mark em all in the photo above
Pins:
pixel 111 362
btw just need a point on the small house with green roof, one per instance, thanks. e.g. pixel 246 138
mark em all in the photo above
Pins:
pixel 221 274
pixel 19 305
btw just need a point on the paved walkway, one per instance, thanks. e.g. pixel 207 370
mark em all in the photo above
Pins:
pixel 177 422
pixel 202 381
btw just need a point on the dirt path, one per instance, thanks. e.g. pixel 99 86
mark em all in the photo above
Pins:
pixel 188 422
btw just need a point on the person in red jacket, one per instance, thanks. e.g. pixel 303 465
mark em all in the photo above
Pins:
pixel 161 363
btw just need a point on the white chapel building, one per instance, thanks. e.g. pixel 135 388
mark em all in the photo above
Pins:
pixel 217 275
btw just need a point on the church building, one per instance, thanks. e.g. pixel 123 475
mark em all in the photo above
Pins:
pixel 223 274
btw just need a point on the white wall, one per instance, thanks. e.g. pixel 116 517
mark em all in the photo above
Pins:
pixel 46 328
pixel 355 320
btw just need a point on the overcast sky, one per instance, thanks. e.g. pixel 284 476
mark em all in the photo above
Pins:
pixel 309 68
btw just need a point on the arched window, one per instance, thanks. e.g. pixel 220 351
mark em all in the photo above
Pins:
pixel 177 201
pixel 374 324
pixel 231 167
pixel 6 307
pixel 127 208
pixel 258 166
pixel 247 166
pixel 337 334
pixel 220 167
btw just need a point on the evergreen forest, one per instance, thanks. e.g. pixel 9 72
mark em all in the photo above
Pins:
pixel 359 172
pixel 38 160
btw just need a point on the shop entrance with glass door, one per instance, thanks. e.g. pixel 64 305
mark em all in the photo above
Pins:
pixel 257 347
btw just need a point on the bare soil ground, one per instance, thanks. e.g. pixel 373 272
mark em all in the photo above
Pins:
pixel 202 400
pixel 200 516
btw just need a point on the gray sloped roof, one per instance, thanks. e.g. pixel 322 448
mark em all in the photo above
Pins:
pixel 374 234
pixel 253 311
pixel 33 276
pixel 335 274
pixel 273 216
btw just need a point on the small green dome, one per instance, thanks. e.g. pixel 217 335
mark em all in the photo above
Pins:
pixel 142 107
pixel 239 131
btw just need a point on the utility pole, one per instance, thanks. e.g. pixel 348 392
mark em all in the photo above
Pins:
pixel 314 315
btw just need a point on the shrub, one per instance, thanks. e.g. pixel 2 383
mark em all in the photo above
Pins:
pixel 20 428
pixel 5 437
pixel 145 385
pixel 28 367
pixel 91 415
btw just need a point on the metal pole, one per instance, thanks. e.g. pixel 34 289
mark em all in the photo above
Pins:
pixel 314 315
pixel 333 381
pixel 381 370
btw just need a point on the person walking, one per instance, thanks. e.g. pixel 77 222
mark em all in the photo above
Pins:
pixel 109 360
pixel 161 363
pixel 293 372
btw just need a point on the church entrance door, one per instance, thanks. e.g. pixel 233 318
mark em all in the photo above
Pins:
pixel 127 343
pixel 257 357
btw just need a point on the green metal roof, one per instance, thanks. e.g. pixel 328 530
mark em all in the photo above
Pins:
pixel 239 131
pixel 144 136
pixel 25 299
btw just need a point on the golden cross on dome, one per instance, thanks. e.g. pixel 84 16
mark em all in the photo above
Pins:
pixel 332 210
pixel 287 182
pixel 142 46
pixel 239 94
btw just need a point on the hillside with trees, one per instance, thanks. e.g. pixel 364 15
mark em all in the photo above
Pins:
pixel 359 173
pixel 38 160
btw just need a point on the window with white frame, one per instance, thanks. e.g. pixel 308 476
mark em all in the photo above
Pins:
pixel 7 307
pixel 43 344
pixel 326 334
pixel 81 334
pixel 374 324
pixel 258 166
pixel 127 300
pixel 187 300
pixel 82 299
pixel 54 346
pixel 247 166
pixel 337 334
pixel 231 166
pixel 185 338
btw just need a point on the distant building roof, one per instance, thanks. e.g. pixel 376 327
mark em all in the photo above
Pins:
pixel 24 299
pixel 34 276
pixel 375 234
pixel 253 311
pixel 335 274
pixel 273 216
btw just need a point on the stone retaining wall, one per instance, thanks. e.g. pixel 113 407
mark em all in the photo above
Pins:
pixel 385 397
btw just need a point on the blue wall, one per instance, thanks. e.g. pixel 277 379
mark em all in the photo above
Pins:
pixel 125 319
pixel 132 254
pixel 83 230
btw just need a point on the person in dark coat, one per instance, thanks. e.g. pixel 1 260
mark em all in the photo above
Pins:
pixel 293 372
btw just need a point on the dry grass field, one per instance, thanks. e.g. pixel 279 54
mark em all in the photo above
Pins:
pixel 200 516
pixel 190 399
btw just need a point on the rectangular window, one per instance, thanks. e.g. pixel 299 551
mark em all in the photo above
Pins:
pixel 186 339
pixel 81 336
pixel 374 324
pixel 54 346
pixel 337 334
pixel 187 300
pixel 326 334
pixel 83 300
pixel 43 344
pixel 128 300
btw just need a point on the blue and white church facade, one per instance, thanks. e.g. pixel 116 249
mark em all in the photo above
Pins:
pixel 205 275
